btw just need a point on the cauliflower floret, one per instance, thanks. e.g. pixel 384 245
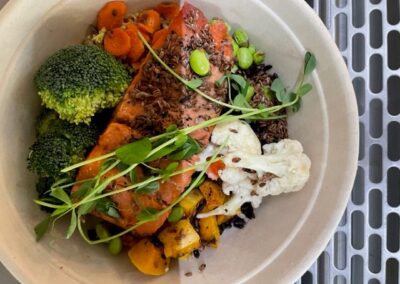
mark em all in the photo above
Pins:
pixel 240 137
pixel 250 176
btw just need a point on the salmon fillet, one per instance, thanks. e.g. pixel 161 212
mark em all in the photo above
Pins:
pixel 155 100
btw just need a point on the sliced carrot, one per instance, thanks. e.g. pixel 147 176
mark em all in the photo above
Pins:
pixel 161 34
pixel 117 42
pixel 214 168
pixel 137 46
pixel 111 15
pixel 167 10
pixel 149 21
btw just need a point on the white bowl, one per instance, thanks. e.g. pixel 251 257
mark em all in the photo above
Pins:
pixel 290 230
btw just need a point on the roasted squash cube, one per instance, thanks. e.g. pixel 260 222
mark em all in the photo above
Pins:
pixel 148 258
pixel 209 231
pixel 179 239
pixel 213 194
pixel 191 201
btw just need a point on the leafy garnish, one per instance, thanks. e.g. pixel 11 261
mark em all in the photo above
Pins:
pixel 147 215
pixel 42 227
pixel 107 206
pixel 149 188
pixel 194 83
pixel 72 226
pixel 134 152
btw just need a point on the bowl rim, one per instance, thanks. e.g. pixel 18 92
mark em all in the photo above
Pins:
pixel 6 16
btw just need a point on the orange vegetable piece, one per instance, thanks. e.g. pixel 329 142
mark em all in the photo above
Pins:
pixel 148 258
pixel 161 34
pixel 149 21
pixel 212 171
pixel 117 42
pixel 167 10
pixel 111 15
pixel 137 46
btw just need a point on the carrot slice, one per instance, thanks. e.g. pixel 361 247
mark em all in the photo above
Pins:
pixel 149 21
pixel 137 46
pixel 167 10
pixel 213 169
pixel 117 42
pixel 161 34
pixel 111 15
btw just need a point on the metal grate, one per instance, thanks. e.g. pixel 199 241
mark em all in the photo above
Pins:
pixel 365 247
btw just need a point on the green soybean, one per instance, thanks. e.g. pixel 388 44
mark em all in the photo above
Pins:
pixel 245 58
pixel 250 93
pixel 258 57
pixel 199 62
pixel 176 214
pixel 235 47
pixel 252 49
pixel 102 232
pixel 115 246
pixel 241 38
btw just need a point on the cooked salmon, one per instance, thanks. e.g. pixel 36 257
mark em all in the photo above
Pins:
pixel 156 99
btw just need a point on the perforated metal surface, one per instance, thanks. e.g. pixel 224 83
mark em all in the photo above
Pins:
pixel 365 247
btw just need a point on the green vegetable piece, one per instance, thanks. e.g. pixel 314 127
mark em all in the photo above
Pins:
pixel 78 81
pixel 176 214
pixel 199 62
pixel 252 49
pixel 149 188
pixel 134 152
pixel 235 48
pixel 310 62
pixel 249 93
pixel 115 246
pixel 258 57
pixel 102 232
pixel 241 38
pixel 245 59
pixel 42 227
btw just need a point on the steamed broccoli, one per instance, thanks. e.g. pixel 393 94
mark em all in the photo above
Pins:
pixel 60 144
pixel 80 80
pixel 80 136
pixel 49 155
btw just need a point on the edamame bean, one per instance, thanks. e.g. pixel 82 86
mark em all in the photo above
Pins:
pixel 102 232
pixel 245 59
pixel 252 49
pixel 235 47
pixel 241 38
pixel 250 93
pixel 176 214
pixel 199 62
pixel 115 246
pixel 259 57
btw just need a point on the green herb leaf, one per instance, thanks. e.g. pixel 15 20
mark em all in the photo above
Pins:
pixel 277 87
pixel 135 152
pixel 268 92
pixel 132 176
pixel 240 80
pixel 240 101
pixel 59 211
pixel 296 107
pixel 170 169
pixel 149 188
pixel 107 206
pixel 107 164
pixel 220 81
pixel 181 139
pixel 60 194
pixel 310 62
pixel 72 225
pixel 147 214
pixel 171 128
pixel 161 153
pixel 42 227
pixel 86 208
pixel 83 190
pixel 194 83
pixel 122 167
pixel 304 89
pixel 187 150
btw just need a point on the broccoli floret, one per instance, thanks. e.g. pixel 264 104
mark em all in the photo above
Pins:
pixel 49 155
pixel 80 80
pixel 81 136
pixel 60 144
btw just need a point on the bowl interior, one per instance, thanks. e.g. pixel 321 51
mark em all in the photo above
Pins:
pixel 242 253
